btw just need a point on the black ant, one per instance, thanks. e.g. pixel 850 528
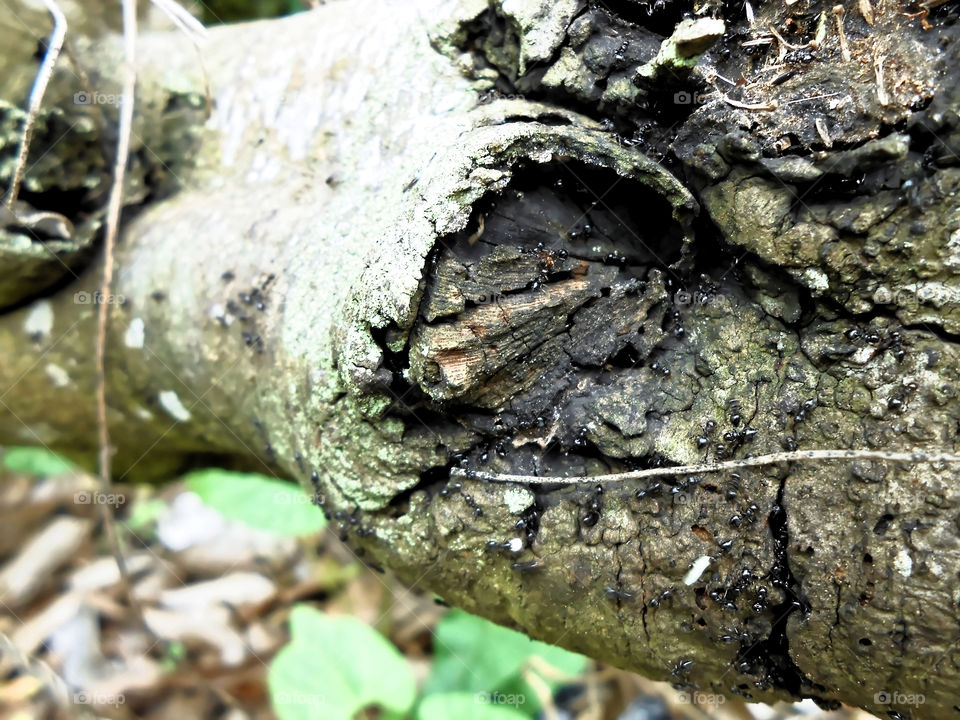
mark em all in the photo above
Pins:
pixel 735 415
pixel 526 566
pixel 653 489
pixel 529 523
pixel 513 545
pixel 453 487
pixel 253 340
pixel 761 602
pixel 592 517
pixel 807 406
pixel 468 499
pixel 665 595
pixel 657 367
pixel 546 260
pixel 617 594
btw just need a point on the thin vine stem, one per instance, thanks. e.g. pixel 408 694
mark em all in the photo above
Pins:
pixel 114 206
pixel 795 456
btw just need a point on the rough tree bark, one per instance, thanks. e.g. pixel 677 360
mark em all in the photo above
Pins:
pixel 411 242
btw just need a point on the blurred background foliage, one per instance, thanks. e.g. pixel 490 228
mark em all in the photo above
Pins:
pixel 216 12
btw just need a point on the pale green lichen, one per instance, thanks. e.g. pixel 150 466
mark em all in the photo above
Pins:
pixel 680 52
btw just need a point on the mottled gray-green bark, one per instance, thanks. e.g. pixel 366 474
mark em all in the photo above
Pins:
pixel 409 242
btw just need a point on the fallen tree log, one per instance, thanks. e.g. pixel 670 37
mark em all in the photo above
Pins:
pixel 413 250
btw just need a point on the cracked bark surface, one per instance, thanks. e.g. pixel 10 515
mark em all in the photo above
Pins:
pixel 483 237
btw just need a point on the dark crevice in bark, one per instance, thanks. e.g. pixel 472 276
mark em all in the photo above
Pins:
pixel 66 270
pixel 770 658
pixel 69 202
pixel 936 330
pixel 549 119
pixel 659 16
pixel 432 481
pixel 640 28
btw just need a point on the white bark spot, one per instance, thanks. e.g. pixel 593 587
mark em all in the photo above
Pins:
pixel 517 500
pixel 515 545
pixel 952 261
pixel 903 563
pixel 39 321
pixel 219 313
pixel 696 570
pixel 263 169
pixel 170 402
pixel 816 279
pixel 58 376
pixel 133 338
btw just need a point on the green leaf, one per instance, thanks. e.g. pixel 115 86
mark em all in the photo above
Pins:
pixel 260 502
pixel 335 666
pixel 144 514
pixel 35 461
pixel 567 662
pixel 474 655
pixel 466 706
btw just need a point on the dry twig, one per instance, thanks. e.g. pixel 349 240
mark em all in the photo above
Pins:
pixel 103 309
pixel 54 45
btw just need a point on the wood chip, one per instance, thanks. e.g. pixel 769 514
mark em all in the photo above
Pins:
pixel 29 636
pixel 838 13
pixel 236 590
pixel 822 131
pixel 22 578
pixel 210 626
pixel 103 573
pixel 882 97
